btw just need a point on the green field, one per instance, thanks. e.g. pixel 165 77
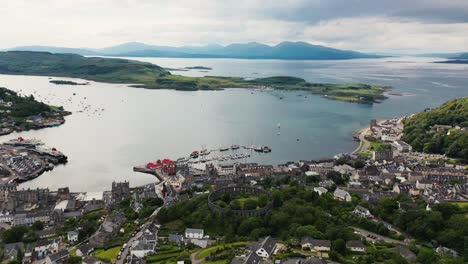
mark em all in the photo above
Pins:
pixel 147 75
pixel 109 255
pixel 461 204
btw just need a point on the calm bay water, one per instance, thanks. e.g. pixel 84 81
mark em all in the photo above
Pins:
pixel 114 127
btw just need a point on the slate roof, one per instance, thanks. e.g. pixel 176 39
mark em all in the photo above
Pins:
pixel 268 244
pixel 355 244
pixel 62 254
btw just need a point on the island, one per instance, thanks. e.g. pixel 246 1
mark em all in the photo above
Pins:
pixel 460 61
pixel 150 76
pixel 20 113
pixel 198 68
pixel 63 82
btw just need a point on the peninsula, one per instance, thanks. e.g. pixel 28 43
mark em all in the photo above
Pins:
pixel 20 113
pixel 150 76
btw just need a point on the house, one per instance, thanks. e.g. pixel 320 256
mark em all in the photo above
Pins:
pixel 341 195
pixel 447 251
pixel 405 253
pixel 58 257
pixel 108 229
pixel 423 185
pixel 194 233
pixel 315 244
pixel 402 146
pixel 362 211
pixel 146 243
pixel 176 238
pixel 135 260
pixel 72 236
pixel 203 243
pixel 91 260
pixel 266 248
pixel 44 247
pixel 356 246
pixel 381 155
pixel 142 247
pixel 12 249
pixel 45 233
pixel 252 258
pixel 84 250
pixel 320 190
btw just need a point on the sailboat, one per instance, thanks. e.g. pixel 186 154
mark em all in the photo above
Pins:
pixel 279 129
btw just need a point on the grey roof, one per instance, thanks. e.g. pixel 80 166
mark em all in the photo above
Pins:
pixel 72 233
pixel 13 248
pixel 143 244
pixel 340 193
pixel 355 244
pixel 176 238
pixel 85 248
pixel 361 209
pixel 268 244
pixel 62 254
pixel 321 243
pixel 405 253
pixel 316 242
pixel 194 230
pixel 45 233
pixel 253 258
pixel 135 260
pixel 90 260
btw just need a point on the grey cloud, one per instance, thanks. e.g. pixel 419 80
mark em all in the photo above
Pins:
pixel 312 11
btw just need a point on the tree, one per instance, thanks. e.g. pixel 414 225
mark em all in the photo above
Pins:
pixel 427 256
pixel 74 260
pixel 235 205
pixel 339 246
pixel 38 225
pixel 15 234
pixel 250 204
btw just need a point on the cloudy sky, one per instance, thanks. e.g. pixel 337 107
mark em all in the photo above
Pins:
pixel 362 25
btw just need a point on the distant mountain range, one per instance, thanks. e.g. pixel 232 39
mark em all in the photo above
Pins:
pixel 253 50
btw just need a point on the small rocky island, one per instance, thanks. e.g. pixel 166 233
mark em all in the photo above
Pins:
pixel 198 68
pixel 63 82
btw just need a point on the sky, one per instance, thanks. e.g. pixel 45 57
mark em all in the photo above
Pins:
pixel 392 26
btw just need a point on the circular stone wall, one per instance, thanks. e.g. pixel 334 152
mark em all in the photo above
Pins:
pixel 214 196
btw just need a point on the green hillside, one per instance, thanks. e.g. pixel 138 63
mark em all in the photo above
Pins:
pixel 420 132
pixel 147 75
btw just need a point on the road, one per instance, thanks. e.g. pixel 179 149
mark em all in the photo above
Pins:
pixel 365 233
pixel 124 254
pixel 364 143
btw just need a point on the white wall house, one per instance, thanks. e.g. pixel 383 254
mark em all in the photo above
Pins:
pixel 194 233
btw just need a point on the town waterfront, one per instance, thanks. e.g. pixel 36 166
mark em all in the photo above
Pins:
pixel 114 127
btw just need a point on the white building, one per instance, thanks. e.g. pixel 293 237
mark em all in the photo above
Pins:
pixel 194 233
pixel 402 146
pixel 320 190
pixel 356 246
pixel 72 236
pixel 266 248
pixel 342 195
pixel 362 211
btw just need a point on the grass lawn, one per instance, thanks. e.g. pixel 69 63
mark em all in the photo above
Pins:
pixel 461 204
pixel 207 251
pixel 107 255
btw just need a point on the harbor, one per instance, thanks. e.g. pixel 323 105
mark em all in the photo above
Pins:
pixel 165 170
